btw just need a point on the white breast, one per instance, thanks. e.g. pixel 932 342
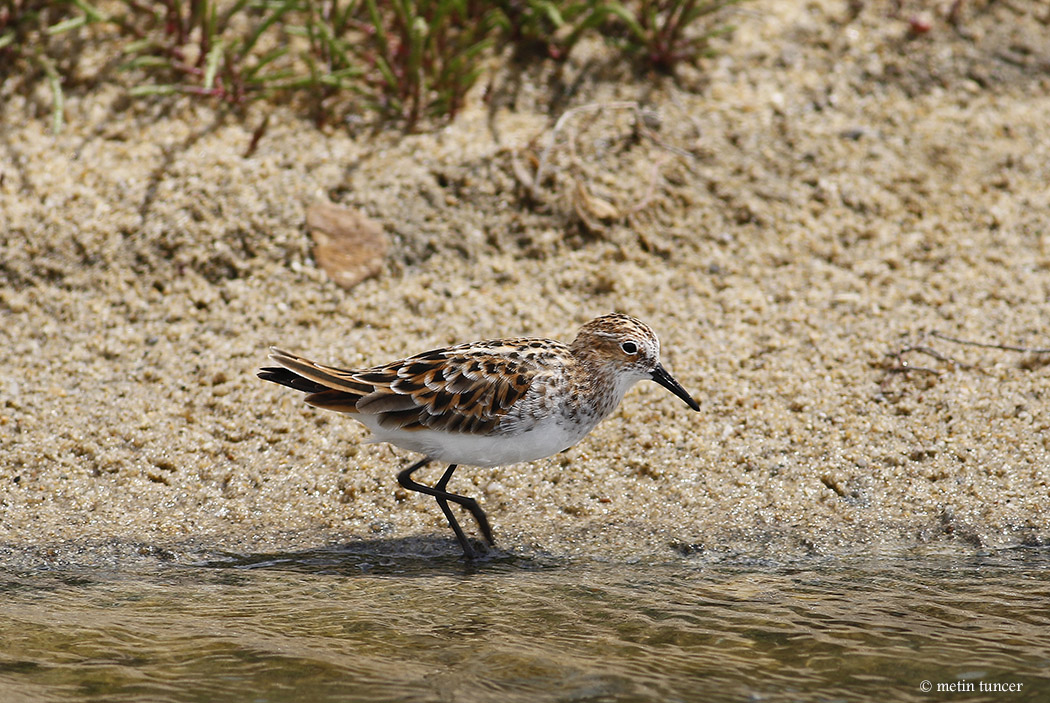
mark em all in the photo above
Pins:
pixel 543 439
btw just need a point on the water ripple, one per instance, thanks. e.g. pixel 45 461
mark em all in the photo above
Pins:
pixel 317 627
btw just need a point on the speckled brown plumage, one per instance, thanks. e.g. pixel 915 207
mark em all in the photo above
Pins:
pixel 487 403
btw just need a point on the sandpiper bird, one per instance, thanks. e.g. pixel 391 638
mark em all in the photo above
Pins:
pixel 487 403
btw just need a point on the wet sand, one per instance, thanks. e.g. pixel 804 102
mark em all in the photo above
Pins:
pixel 826 191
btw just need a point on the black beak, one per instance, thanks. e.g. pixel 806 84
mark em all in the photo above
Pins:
pixel 661 376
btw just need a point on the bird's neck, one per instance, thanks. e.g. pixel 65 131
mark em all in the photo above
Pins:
pixel 598 387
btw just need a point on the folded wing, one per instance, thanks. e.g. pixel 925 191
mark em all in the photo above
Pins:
pixel 459 389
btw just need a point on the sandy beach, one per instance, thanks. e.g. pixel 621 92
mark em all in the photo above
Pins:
pixel 808 219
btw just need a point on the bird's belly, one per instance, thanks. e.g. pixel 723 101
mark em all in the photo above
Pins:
pixel 542 440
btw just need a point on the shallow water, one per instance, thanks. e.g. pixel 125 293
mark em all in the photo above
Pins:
pixel 339 625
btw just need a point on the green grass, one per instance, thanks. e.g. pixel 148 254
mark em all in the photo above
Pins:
pixel 409 62
pixel 658 30
pixel 23 23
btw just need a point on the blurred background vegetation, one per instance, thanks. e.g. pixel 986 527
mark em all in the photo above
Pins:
pixel 407 62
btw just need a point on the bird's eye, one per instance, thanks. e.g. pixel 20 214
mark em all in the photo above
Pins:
pixel 629 347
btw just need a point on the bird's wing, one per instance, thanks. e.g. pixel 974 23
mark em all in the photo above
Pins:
pixel 467 388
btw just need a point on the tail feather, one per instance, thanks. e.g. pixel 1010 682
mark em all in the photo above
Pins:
pixel 326 387
pixel 327 376
pixel 334 400
pixel 290 379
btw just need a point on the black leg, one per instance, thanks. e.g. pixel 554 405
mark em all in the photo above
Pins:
pixel 438 491
pixel 468 503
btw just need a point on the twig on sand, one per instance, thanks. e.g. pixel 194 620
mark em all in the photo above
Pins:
pixel 986 345
pixel 651 190
pixel 257 136
pixel 533 183
pixel 543 165
pixel 903 366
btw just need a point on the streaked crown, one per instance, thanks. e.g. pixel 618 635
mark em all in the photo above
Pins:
pixel 621 340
